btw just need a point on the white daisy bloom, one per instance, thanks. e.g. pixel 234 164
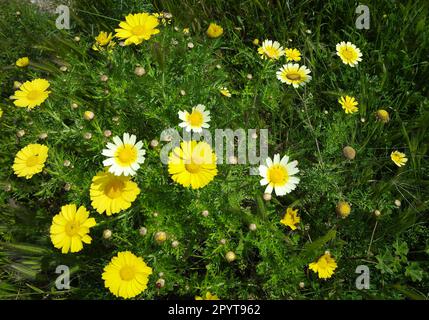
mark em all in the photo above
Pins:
pixel 196 120
pixel 294 74
pixel 124 156
pixel 271 50
pixel 279 175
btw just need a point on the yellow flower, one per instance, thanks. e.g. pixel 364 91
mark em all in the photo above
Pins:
pixel 22 62
pixel 343 209
pixel 126 275
pixel 398 158
pixel 214 30
pixel 278 174
pixel 225 92
pixel 31 93
pixel 192 164
pixel 137 27
pixel 324 267
pixel 30 160
pixel 70 228
pixel 348 104
pixel 186 31
pixel 112 194
pixel 349 53
pixel 293 74
pixel 163 17
pixel 1 112
pixel 382 115
pixel 255 42
pixel 103 40
pixel 208 296
pixel 292 54
pixel 291 218
pixel 271 50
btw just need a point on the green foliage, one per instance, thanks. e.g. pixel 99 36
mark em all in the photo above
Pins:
pixel 307 124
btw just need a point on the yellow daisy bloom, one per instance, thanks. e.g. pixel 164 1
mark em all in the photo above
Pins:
pixel 292 54
pixel 186 31
pixel 349 53
pixel 324 266
pixel 137 27
pixel 30 160
pixel 1 112
pixel 293 74
pixel 279 175
pixel 225 92
pixel 126 275
pixel 348 104
pixel 196 120
pixel 70 228
pixel 255 41
pixel 271 50
pixel 31 93
pixel 214 30
pixel 112 194
pixel 192 164
pixel 22 62
pixel 103 40
pixel 208 296
pixel 291 218
pixel 398 158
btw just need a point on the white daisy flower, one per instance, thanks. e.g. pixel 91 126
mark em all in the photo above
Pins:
pixel 271 50
pixel 124 156
pixel 196 120
pixel 349 53
pixel 279 175
pixel 294 74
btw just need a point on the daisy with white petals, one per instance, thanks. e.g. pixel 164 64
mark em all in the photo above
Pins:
pixel 196 120
pixel 294 74
pixel 279 175
pixel 124 156
pixel 349 53
pixel 271 50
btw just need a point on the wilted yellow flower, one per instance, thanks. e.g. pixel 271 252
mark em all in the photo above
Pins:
pixel 399 158
pixel 214 30
pixel 103 41
pixel 324 266
pixel 291 218
pixel 382 115
pixel 22 62
pixel 225 92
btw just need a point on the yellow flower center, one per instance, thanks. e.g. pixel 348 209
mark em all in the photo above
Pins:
pixel 293 76
pixel 348 54
pixel 195 118
pixel 114 188
pixel 72 228
pixel 271 52
pixel 32 160
pixel 34 95
pixel 138 30
pixel 126 154
pixel 278 175
pixel 127 273
pixel 194 166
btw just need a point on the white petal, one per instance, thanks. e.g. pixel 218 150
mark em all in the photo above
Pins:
pixel 264 182
pixel 280 191
pixel 284 160
pixel 139 144
pixel 269 188
pixel 126 138
pixel 109 162
pixel 276 158
pixel 133 139
pixel 263 171
pixel 108 152
pixel 117 141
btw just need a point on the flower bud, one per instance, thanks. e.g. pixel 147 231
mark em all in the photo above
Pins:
pixel 343 209
pixel 349 152
pixel 107 234
pixel 88 115
pixel 230 256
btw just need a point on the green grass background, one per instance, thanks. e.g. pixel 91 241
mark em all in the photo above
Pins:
pixel 307 124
